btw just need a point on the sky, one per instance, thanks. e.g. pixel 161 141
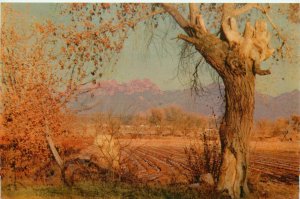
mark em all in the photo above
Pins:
pixel 137 61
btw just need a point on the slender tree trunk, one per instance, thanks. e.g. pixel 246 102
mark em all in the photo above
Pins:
pixel 54 152
pixel 234 135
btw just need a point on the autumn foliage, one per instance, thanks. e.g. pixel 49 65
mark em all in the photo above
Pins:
pixel 32 105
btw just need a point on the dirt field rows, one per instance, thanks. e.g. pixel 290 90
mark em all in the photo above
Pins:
pixel 167 163
pixel 277 166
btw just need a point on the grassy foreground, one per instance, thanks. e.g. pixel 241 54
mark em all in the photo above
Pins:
pixel 123 190
pixel 104 190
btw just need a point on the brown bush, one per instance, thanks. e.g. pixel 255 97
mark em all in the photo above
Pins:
pixel 280 126
pixel 295 122
pixel 203 157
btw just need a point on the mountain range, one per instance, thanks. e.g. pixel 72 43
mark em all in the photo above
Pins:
pixel 141 95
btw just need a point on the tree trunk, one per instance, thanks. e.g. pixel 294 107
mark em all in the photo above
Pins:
pixel 234 135
pixel 236 58
pixel 54 152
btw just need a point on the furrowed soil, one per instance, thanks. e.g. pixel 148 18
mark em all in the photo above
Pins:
pixel 161 168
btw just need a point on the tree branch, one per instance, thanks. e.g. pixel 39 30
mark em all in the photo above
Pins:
pixel 57 157
pixel 244 9
pixel 283 38
pixel 211 48
pixel 208 45
pixel 193 12
pixel 188 39
pixel 259 71
pixel 122 24
pixel 229 9
pixel 200 23
pixel 172 10
pixel 231 32
pixel 262 72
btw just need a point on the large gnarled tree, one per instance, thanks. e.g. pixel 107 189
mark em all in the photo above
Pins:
pixel 237 59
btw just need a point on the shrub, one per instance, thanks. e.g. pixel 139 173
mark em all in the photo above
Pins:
pixel 203 157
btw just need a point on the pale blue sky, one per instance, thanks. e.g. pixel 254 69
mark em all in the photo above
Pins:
pixel 137 62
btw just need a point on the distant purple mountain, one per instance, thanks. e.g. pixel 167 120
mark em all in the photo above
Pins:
pixel 112 87
pixel 141 95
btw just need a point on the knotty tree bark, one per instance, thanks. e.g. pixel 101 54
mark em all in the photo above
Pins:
pixel 236 58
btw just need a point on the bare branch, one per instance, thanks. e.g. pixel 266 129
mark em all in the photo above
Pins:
pixel 249 31
pixel 52 148
pixel 194 11
pixel 187 38
pixel 283 38
pixel 173 11
pixel 122 24
pixel 231 32
pixel 200 23
pixel 245 9
pixel 229 9
pixel 260 71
